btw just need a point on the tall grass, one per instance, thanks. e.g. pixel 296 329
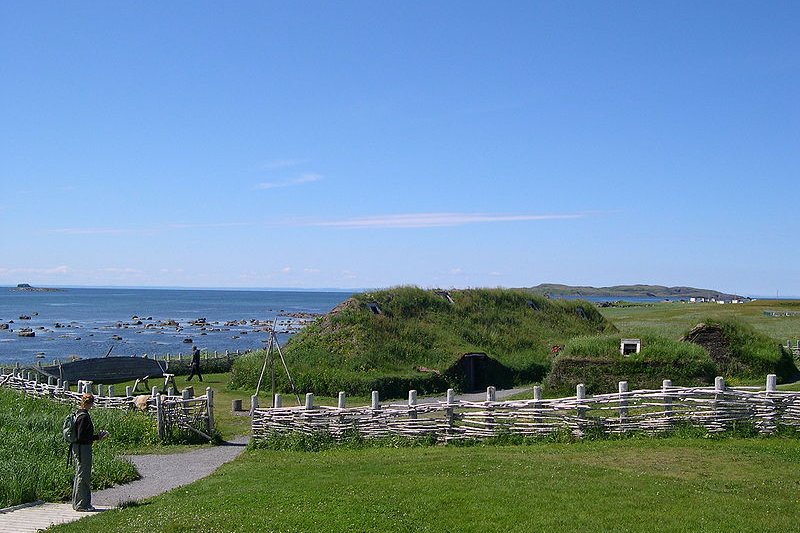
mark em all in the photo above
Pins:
pixel 33 453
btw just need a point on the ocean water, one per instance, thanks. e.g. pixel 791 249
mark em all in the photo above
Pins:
pixel 96 320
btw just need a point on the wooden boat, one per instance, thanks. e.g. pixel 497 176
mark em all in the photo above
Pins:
pixel 106 370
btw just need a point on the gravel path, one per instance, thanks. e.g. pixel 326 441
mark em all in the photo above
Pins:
pixel 163 472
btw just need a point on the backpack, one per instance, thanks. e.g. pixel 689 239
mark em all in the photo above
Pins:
pixel 69 433
pixel 68 428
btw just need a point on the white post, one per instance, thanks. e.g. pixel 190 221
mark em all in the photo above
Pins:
pixel 128 391
pixel 154 392
pixel 769 421
pixel 772 383
pixel 342 400
pixel 110 391
pixel 719 384
pixel 580 395
pixel 309 401
pixel 665 386
pixel 623 402
pixel 376 402
pixel 278 401
pixel 210 396
pixel 490 394
pixel 253 404
pixel 159 415
pixel 412 404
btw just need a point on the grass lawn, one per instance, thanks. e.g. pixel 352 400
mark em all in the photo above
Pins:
pixel 675 319
pixel 672 484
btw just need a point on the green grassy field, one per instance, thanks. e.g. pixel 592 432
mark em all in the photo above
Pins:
pixel 675 319
pixel 671 484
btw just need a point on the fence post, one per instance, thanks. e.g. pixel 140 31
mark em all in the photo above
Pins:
pixel 580 396
pixel 772 383
pixel 159 415
pixel 128 391
pixel 277 401
pixel 537 397
pixel 110 391
pixel 309 401
pixel 376 402
pixel 412 404
pixel 449 413
pixel 50 380
pixel 66 385
pixel 719 395
pixel 623 401
pixel 490 394
pixel 342 400
pixel 253 403
pixel 665 386
pixel 210 399
pixel 771 412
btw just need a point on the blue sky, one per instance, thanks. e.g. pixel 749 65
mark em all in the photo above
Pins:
pixel 371 144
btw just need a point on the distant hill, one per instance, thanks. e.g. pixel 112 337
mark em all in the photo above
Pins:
pixel 635 291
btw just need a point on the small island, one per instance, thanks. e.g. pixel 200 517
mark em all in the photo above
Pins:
pixel 26 287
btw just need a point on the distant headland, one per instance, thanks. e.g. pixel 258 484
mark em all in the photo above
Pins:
pixel 26 287
pixel 634 291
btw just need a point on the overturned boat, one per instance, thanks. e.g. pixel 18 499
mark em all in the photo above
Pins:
pixel 106 370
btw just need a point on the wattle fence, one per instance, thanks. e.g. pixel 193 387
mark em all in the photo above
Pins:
pixel 172 413
pixel 715 409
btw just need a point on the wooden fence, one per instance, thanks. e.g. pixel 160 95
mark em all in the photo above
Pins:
pixel 715 408
pixel 171 412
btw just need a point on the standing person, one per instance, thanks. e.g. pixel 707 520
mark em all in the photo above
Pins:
pixel 194 368
pixel 82 451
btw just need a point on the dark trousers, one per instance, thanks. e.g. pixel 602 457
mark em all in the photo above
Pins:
pixel 194 370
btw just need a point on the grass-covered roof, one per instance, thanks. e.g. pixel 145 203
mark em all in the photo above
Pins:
pixel 407 332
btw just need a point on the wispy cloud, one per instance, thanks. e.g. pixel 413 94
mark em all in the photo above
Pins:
pixel 432 220
pixel 299 180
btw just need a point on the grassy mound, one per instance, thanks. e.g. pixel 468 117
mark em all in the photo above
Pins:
pixel 597 363
pixel 741 351
pixel 714 348
pixel 34 454
pixel 408 338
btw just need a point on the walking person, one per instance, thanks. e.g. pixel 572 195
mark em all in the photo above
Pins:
pixel 194 368
pixel 82 452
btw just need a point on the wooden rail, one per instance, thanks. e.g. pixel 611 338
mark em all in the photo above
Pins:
pixel 716 409
pixel 171 412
